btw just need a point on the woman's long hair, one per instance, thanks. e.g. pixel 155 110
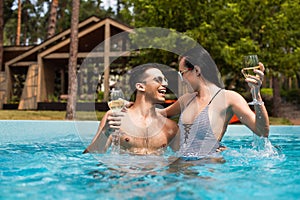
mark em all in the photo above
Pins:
pixel 200 57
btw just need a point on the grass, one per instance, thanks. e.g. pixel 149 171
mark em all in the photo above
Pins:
pixel 60 115
pixel 279 121
pixel 46 115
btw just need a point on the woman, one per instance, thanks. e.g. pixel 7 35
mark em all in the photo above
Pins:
pixel 206 112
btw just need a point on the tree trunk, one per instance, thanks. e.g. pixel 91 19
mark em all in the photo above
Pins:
pixel 19 23
pixel 118 7
pixel 72 87
pixel 298 79
pixel 276 97
pixel 1 33
pixel 52 19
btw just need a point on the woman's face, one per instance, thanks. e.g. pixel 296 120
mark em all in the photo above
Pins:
pixel 187 74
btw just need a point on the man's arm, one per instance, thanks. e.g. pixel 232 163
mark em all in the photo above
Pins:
pixel 175 142
pixel 176 108
pixel 100 142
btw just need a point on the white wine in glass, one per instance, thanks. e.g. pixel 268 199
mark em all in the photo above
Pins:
pixel 116 104
pixel 250 64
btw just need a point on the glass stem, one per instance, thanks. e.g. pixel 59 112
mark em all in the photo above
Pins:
pixel 116 142
pixel 254 93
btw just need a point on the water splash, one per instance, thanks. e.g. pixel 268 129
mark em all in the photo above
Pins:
pixel 260 152
pixel 264 147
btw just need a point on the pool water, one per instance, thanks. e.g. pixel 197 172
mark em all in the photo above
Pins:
pixel 44 160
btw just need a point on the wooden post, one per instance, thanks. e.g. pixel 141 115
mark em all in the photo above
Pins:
pixel 62 81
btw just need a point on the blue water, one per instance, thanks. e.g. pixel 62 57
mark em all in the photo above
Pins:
pixel 44 160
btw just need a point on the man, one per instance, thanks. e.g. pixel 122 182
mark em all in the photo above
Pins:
pixel 143 130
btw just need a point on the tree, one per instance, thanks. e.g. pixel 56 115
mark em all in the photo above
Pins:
pixel 72 87
pixel 18 36
pixel 280 43
pixel 34 17
pixel 9 28
pixel 1 33
pixel 52 19
pixel 32 23
pixel 228 30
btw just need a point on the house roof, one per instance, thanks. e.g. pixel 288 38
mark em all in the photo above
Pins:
pixel 90 28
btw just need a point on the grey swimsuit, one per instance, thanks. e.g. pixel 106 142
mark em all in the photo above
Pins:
pixel 197 140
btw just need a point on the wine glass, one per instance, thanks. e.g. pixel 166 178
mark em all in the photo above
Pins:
pixel 250 64
pixel 116 104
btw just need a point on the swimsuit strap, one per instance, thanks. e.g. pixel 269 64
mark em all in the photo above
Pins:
pixel 214 96
pixel 208 102
pixel 188 103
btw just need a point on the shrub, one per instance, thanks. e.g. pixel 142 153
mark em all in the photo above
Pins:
pixel 267 91
pixel 291 95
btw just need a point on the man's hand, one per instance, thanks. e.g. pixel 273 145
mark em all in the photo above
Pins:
pixel 113 120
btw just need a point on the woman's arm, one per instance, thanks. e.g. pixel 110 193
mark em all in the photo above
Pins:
pixel 257 121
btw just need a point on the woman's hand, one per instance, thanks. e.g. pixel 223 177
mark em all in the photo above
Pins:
pixel 256 80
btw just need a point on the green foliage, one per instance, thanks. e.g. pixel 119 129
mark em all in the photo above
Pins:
pixel 267 96
pixel 291 95
pixel 32 23
pixel 157 44
pixel 228 29
pixel 267 91
pixel 231 29
pixel 100 96
pixel 8 10
pixel 53 98
pixel 35 18
pixel 279 121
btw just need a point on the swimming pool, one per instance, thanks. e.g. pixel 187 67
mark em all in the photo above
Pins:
pixel 44 160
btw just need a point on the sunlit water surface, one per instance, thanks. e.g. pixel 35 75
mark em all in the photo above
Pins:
pixel 44 160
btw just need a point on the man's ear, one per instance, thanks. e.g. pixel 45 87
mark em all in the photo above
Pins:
pixel 198 70
pixel 140 87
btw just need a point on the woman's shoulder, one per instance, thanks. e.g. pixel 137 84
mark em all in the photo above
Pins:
pixel 187 97
pixel 233 96
pixel 231 93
